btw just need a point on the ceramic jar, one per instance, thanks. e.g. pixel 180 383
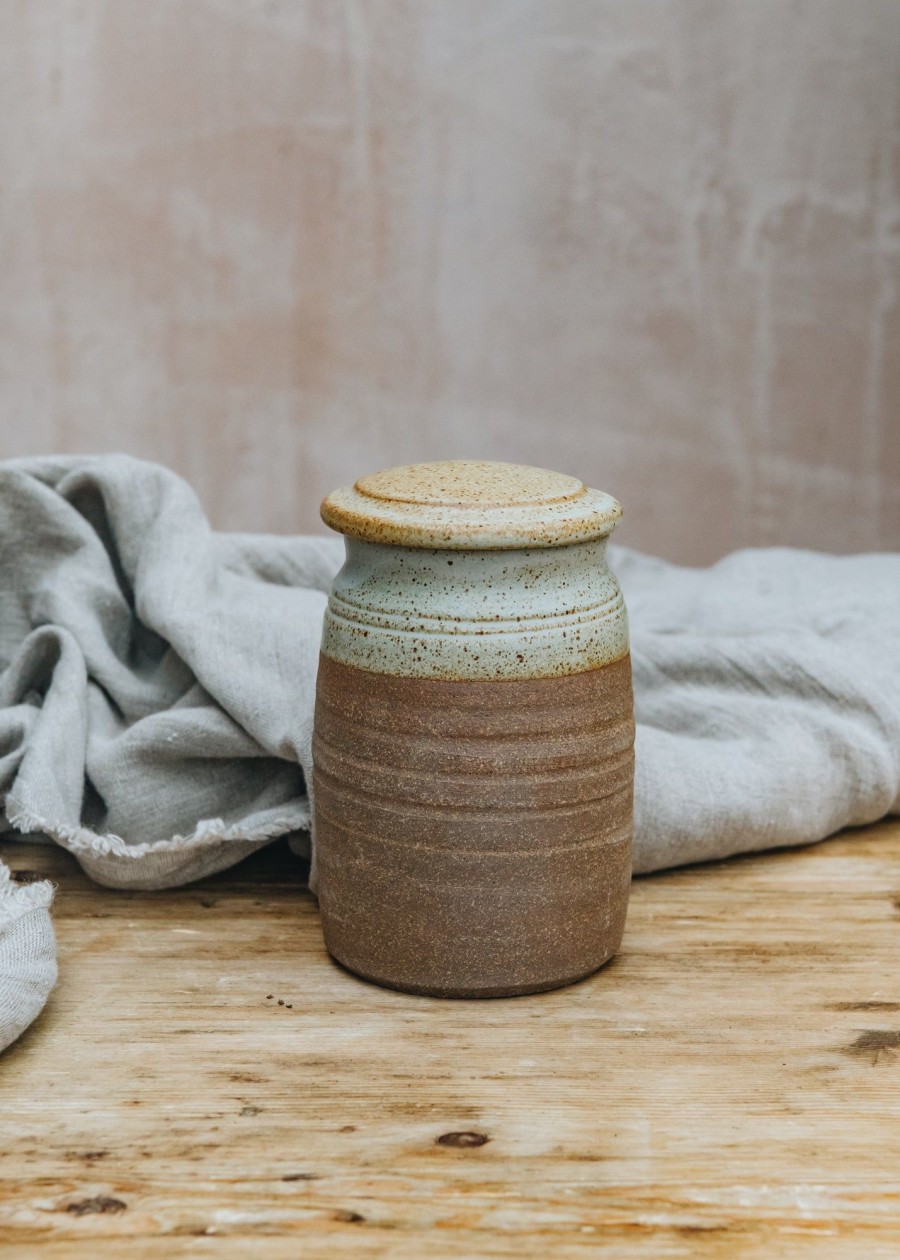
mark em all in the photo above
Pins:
pixel 473 739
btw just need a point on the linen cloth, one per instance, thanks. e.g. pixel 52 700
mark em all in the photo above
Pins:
pixel 158 678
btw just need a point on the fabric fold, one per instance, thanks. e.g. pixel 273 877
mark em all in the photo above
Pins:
pixel 27 954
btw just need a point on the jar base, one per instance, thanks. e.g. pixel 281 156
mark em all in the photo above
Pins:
pixel 472 994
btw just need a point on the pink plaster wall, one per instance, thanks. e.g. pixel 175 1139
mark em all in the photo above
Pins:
pixel 275 243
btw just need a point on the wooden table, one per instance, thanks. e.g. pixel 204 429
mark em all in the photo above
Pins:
pixel 729 1086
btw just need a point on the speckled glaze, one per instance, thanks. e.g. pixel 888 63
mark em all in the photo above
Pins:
pixel 473 732
pixel 538 612
pixel 467 503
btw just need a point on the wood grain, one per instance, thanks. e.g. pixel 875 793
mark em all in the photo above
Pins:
pixel 728 1086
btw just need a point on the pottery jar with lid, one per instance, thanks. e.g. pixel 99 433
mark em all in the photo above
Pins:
pixel 473 737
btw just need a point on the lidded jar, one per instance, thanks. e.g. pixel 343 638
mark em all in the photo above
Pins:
pixel 473 736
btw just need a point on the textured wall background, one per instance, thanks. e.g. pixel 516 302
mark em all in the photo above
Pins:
pixel 275 243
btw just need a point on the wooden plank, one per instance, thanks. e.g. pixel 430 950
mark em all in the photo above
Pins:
pixel 730 1085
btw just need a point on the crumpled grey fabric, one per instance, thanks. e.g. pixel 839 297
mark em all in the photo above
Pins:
pixel 767 698
pixel 157 688
pixel 27 954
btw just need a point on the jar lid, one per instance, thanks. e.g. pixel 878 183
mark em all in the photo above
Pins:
pixel 470 503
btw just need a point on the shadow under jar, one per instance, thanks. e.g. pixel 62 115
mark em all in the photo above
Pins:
pixel 473 738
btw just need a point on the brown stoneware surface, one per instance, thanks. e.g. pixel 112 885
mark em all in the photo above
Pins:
pixel 474 837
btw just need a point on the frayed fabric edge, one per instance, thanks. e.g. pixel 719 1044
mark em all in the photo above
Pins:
pixel 18 899
pixel 208 831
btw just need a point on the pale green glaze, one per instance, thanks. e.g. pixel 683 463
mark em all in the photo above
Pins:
pixel 520 613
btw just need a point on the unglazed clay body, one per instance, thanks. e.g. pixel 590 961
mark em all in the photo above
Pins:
pixel 473 742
